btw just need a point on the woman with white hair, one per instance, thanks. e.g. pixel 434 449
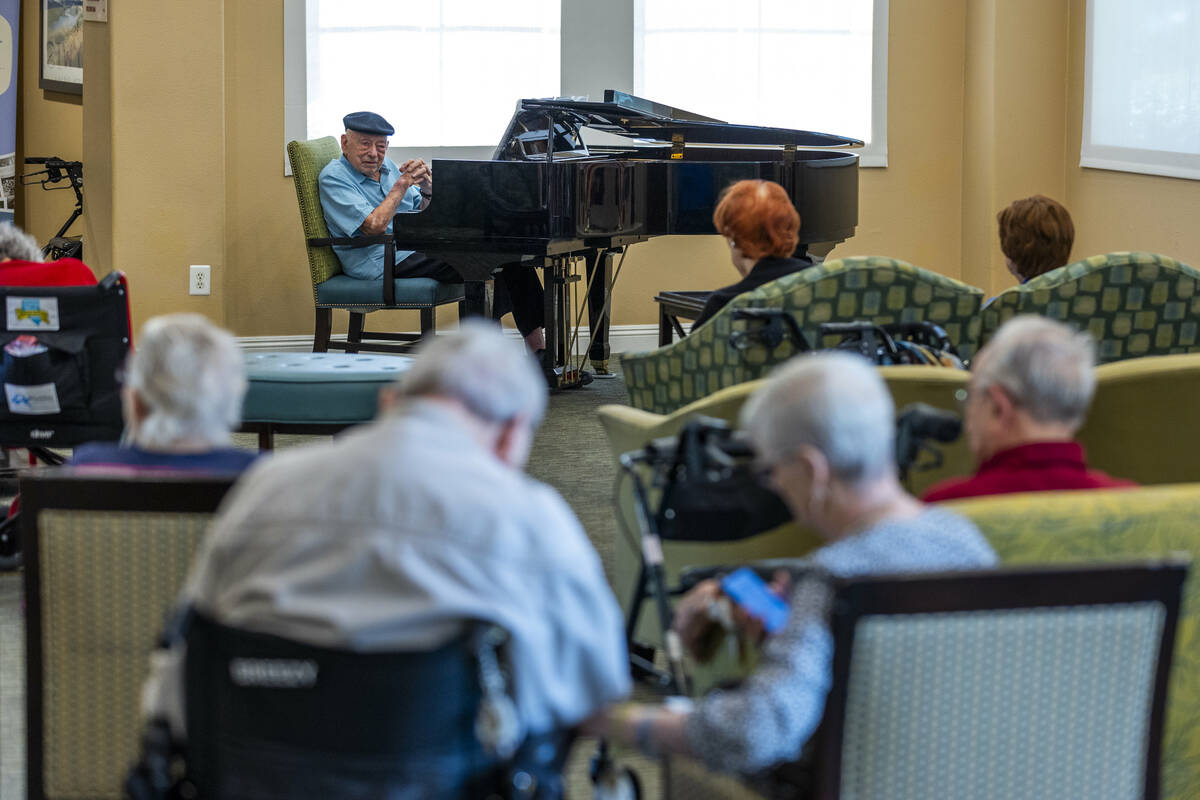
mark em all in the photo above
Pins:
pixel 182 398
pixel 823 429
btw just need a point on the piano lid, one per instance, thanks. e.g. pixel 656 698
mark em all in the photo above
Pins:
pixel 626 115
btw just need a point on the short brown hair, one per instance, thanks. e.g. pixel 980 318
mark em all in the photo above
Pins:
pixel 760 218
pixel 1036 234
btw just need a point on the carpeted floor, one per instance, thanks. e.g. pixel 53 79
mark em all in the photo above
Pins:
pixel 570 453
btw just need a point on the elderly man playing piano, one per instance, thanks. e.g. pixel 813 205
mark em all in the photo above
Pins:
pixel 364 189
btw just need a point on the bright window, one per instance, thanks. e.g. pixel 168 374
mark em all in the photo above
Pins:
pixel 445 73
pixel 448 73
pixel 1142 87
pixel 806 64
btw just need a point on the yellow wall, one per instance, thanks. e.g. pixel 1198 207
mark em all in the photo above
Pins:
pixel 51 124
pixel 184 113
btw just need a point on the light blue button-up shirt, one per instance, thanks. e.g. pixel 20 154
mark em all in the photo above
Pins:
pixel 347 198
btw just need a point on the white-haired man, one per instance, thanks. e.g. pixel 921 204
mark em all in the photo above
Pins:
pixel 1029 393
pixel 395 536
pixel 362 192
pixel 823 429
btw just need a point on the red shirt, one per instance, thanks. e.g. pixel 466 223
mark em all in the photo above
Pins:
pixel 64 272
pixel 1038 467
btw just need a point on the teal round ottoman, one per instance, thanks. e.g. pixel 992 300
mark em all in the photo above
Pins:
pixel 319 393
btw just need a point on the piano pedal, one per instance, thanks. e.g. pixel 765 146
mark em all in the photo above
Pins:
pixel 601 371
pixel 568 378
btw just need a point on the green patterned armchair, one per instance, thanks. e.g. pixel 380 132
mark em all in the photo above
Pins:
pixel 332 288
pixel 881 290
pixel 1134 304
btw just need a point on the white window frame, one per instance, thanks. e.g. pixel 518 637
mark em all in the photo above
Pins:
pixel 597 54
pixel 1124 159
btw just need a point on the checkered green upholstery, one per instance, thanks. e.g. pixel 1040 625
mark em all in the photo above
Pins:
pixel 1134 304
pixel 881 290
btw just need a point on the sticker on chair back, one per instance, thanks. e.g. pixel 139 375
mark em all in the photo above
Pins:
pixel 32 313
pixel 39 399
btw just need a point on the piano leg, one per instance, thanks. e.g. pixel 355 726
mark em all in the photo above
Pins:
pixel 478 299
pixel 557 275
pixel 599 277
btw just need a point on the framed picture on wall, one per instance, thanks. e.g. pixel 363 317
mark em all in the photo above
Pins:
pixel 62 46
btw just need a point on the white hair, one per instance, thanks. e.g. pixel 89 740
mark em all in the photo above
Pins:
pixel 491 375
pixel 17 244
pixel 190 376
pixel 1045 366
pixel 834 402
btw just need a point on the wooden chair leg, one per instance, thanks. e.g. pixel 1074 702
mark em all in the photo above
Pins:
pixel 428 321
pixel 354 334
pixel 322 330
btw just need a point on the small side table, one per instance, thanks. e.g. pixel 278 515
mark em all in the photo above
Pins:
pixel 674 306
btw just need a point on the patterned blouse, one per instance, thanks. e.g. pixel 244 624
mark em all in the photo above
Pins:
pixel 769 718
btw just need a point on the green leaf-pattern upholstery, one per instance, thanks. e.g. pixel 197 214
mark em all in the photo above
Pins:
pixel 1133 304
pixel 881 290
pixel 307 160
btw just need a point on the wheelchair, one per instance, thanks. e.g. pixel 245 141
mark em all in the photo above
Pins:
pixel 63 348
pixel 270 718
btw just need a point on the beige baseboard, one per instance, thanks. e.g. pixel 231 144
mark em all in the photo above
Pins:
pixel 621 339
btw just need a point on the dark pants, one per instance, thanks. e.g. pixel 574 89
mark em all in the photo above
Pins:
pixel 517 288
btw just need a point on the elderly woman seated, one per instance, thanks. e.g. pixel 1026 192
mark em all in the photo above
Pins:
pixel 762 227
pixel 823 430
pixel 1036 234
pixel 183 392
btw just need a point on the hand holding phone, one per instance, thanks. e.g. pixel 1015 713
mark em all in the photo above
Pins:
pixel 753 596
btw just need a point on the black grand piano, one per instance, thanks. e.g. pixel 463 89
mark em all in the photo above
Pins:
pixel 550 199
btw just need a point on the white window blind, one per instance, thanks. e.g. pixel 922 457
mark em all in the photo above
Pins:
pixel 806 64
pixel 445 73
pixel 1142 87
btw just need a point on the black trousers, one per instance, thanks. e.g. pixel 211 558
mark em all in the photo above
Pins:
pixel 518 289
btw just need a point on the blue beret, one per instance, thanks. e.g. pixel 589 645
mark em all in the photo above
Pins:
pixel 368 122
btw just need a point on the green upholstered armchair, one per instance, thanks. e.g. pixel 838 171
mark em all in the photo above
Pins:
pixel 1134 304
pixel 881 290
pixel 334 289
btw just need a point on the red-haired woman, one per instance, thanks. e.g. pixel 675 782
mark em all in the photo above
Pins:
pixel 762 227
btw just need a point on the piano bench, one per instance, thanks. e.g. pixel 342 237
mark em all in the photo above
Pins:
pixel 313 393
pixel 674 306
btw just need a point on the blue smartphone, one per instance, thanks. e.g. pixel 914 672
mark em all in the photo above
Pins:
pixel 751 592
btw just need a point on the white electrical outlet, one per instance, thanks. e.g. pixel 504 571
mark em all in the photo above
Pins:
pixel 199 279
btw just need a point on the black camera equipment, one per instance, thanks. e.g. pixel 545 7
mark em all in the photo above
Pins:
pixel 57 170
pixel 774 325
pixel 891 343
pixel 916 424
